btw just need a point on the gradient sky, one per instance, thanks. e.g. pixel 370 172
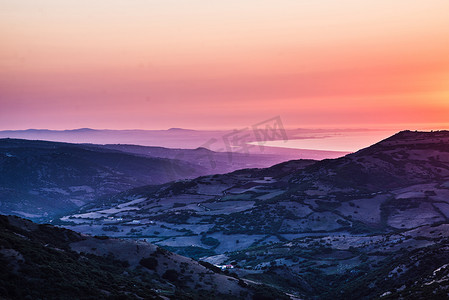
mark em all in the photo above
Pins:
pixel 207 64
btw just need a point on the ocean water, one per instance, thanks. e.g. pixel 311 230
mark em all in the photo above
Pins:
pixel 347 141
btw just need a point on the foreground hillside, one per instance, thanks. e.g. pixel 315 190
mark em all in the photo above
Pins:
pixel 317 223
pixel 45 262
pixel 167 140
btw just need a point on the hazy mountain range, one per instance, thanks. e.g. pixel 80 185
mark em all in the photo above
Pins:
pixel 177 138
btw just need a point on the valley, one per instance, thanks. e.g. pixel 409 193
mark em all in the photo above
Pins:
pixel 314 220
pixel 41 180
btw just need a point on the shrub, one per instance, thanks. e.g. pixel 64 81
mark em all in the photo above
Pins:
pixel 149 263
pixel 210 241
pixel 210 266
pixel 170 275
pixel 242 283
pixel 263 292
pixel 110 228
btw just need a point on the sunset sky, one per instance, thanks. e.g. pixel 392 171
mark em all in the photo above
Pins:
pixel 206 64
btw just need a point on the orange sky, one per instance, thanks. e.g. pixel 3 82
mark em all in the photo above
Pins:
pixel 222 64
